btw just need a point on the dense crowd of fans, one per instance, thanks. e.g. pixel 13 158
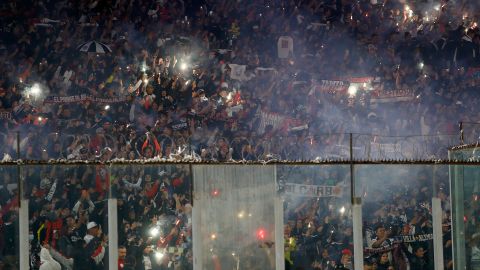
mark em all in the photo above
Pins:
pixel 318 231
pixel 221 80
pixel 173 73
pixel 68 216
pixel 9 223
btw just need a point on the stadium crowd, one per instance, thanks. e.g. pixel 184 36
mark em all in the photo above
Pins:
pixel 68 216
pixel 220 80
pixel 283 81
pixel 397 218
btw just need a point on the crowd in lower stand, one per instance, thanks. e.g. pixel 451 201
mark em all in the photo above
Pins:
pixel 69 216
pixel 397 219
pixel 222 80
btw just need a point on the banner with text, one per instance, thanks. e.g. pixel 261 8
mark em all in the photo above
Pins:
pixel 5 114
pixel 312 190
pixel 392 96
pixel 396 241
pixel 280 122
pixel 83 98
pixel 332 87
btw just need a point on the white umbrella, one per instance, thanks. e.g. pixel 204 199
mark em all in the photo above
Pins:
pixel 94 47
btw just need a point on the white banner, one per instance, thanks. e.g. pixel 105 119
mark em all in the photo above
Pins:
pixel 285 47
pixel 5 114
pixel 392 96
pixel 237 72
pixel 312 190
pixel 270 119
pixel 396 241
pixel 331 87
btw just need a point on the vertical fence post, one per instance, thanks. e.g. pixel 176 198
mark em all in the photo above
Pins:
pixel 279 232
pixel 196 225
pixel 437 224
pixel 191 184
pixel 18 145
pixel 23 230
pixel 357 234
pixel 352 182
pixel 462 139
pixel 356 216
pixel 456 173
pixel 112 228
pixel 23 233
pixel 19 181
pixel 437 233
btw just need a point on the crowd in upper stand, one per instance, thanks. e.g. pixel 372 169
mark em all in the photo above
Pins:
pixel 233 80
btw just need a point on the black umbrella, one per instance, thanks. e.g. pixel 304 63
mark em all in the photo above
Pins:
pixel 94 47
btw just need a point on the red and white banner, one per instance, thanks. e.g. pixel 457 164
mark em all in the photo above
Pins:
pixel 473 72
pixel 332 87
pixel 392 96
pixel 359 79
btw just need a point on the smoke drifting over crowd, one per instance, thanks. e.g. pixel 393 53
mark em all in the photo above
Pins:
pixel 235 80
pixel 278 79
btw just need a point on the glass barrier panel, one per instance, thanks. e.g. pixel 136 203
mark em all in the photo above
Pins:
pixel 471 217
pixel 68 215
pixel 400 214
pixel 317 216
pixel 235 224
pixel 465 213
pixel 123 143
pixel 9 212
pixel 154 206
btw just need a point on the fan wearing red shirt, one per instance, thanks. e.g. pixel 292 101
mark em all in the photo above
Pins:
pixel 122 254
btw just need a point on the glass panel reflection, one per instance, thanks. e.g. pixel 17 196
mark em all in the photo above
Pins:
pixel 68 215
pixel 236 224
pixel 398 214
pixel 154 216
pixel 317 216
pixel 9 203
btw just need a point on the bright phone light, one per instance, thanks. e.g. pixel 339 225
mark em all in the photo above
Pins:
pixel 35 89
pixel 158 255
pixel 154 231
pixel 183 66
pixel 352 90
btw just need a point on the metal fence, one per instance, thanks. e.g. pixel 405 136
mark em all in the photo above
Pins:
pixel 332 147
